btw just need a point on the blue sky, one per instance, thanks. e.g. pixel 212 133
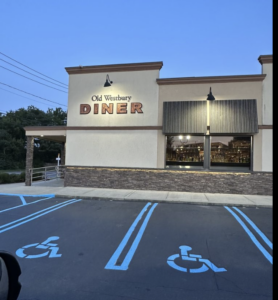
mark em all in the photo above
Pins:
pixel 191 38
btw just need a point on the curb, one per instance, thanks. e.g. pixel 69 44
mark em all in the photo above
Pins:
pixel 163 201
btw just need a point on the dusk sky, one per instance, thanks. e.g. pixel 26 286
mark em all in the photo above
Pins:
pixel 38 39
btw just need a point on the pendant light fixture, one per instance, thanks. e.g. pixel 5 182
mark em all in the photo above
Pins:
pixel 108 82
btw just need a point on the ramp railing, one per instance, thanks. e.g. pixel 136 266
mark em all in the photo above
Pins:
pixel 47 173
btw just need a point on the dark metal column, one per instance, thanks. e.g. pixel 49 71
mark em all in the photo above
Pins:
pixel 207 152
pixel 29 159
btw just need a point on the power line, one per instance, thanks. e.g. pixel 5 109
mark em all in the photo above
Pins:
pixel 32 69
pixel 27 98
pixel 31 94
pixel 33 74
pixel 32 79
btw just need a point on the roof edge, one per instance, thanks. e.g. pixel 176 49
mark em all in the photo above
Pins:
pixel 265 59
pixel 49 128
pixel 210 79
pixel 115 68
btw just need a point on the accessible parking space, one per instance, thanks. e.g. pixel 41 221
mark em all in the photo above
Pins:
pixel 180 247
pixel 97 249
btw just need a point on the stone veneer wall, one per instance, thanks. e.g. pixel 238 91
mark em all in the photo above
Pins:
pixel 170 180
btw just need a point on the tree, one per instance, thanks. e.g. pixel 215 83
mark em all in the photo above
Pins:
pixel 13 139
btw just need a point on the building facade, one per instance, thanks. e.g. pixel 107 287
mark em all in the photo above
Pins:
pixel 124 116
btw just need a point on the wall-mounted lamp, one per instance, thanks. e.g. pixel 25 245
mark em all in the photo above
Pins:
pixel 210 96
pixel 108 82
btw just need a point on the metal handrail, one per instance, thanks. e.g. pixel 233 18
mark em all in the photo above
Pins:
pixel 47 173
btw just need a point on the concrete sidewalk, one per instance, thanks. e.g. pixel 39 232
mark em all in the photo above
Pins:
pixel 56 187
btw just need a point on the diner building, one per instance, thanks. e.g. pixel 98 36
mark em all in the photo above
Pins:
pixel 125 118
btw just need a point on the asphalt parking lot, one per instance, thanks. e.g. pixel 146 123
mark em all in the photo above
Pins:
pixel 103 249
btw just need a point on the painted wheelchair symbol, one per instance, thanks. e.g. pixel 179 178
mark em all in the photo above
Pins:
pixel 51 249
pixel 192 257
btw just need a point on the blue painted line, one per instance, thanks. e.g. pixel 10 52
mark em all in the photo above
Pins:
pixel 16 225
pixel 38 212
pixel 22 199
pixel 135 243
pixel 24 204
pixel 260 233
pixel 186 257
pixel 111 263
pixel 42 247
pixel 202 269
pixel 251 235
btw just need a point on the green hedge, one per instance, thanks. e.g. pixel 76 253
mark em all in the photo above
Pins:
pixel 12 178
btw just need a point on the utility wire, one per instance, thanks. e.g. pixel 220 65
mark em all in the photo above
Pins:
pixel 32 69
pixel 32 79
pixel 27 98
pixel 31 94
pixel 33 74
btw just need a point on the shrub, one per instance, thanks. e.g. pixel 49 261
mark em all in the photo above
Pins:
pixel 12 178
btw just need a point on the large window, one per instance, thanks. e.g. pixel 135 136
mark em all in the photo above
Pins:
pixel 213 152
pixel 230 151
pixel 185 151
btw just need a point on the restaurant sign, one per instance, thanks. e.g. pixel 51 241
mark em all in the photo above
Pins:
pixel 110 108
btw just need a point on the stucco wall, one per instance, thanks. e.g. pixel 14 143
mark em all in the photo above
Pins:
pixel 257 151
pixel 161 149
pixel 263 151
pixel 267 105
pixel 112 148
pixel 267 118
pixel 267 145
pixel 140 85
